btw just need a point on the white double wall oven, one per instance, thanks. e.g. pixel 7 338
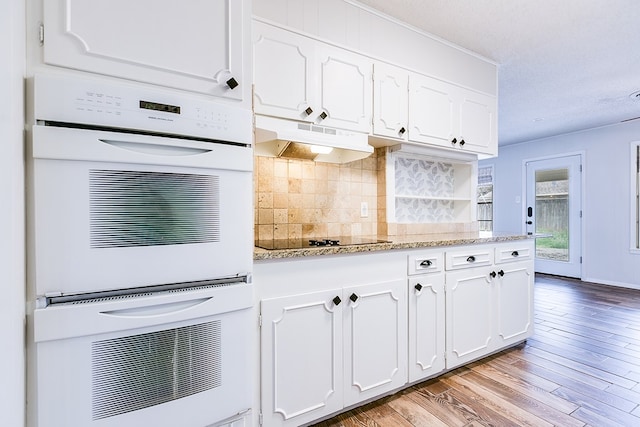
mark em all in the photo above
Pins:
pixel 140 255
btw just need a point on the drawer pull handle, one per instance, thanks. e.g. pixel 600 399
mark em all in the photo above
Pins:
pixel 426 263
pixel 353 297
pixel 418 287
pixel 308 111
pixel 492 274
pixel 323 115
pixel 337 300
pixel 454 141
pixel 501 273
pixel 515 254
pixel 471 259
pixel 462 142
pixel 402 131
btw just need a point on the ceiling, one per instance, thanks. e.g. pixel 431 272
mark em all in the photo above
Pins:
pixel 564 65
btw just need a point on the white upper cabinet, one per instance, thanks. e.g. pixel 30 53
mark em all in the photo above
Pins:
pixel 302 79
pixel 450 116
pixel 191 45
pixel 390 101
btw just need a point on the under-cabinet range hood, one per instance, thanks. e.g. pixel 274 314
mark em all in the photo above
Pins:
pixel 300 140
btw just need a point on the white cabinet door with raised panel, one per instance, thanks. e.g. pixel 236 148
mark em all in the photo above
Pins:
pixel 514 283
pixel 345 89
pixel 190 45
pixel 284 73
pixel 426 326
pixel 477 116
pixel 390 101
pixel 301 357
pixel 432 111
pixel 470 308
pixel 375 340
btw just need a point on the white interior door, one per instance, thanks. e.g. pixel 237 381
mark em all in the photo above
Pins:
pixel 553 214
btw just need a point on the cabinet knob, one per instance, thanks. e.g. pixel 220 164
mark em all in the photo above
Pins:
pixel 402 131
pixel 337 300
pixel 454 141
pixel 492 274
pixel 232 83
pixel 515 254
pixel 462 142
pixel 308 111
pixel 501 273
pixel 418 287
pixel 426 263
pixel 323 115
pixel 353 297
pixel 471 259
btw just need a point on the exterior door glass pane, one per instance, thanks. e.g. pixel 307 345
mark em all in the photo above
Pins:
pixel 552 214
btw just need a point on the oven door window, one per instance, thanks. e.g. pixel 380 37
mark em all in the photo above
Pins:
pixel 139 208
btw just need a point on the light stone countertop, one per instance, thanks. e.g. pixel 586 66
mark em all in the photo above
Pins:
pixel 394 242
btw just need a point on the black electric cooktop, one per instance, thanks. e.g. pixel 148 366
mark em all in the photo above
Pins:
pixel 316 242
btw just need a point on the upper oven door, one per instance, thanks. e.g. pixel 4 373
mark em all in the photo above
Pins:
pixel 113 210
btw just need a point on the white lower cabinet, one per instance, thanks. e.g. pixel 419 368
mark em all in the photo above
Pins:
pixel 326 350
pixel 471 304
pixel 426 326
pixel 514 284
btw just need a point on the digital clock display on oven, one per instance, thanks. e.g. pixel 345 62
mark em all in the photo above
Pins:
pixel 147 105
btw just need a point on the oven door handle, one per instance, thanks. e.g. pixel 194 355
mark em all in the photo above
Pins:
pixel 156 309
pixel 155 149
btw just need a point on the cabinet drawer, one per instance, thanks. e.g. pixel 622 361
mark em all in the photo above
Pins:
pixel 425 263
pixel 513 253
pixel 469 257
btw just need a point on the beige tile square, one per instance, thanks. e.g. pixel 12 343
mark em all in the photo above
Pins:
pixel 321 201
pixel 295 185
pixel 281 200
pixel 308 186
pixel 321 171
pixel 308 201
pixel 295 169
pixel 280 216
pixel 294 216
pixel 334 229
pixel 322 186
pixel 295 201
pixel 281 168
pixel 263 165
pixel 280 185
pixel 265 200
pixel 295 231
pixel 265 232
pixel 281 231
pixel 309 170
pixel 265 183
pixel 265 216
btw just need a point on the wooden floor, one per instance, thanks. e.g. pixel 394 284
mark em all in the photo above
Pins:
pixel 582 367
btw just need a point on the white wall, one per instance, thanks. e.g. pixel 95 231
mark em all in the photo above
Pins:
pixel 606 204
pixel 12 282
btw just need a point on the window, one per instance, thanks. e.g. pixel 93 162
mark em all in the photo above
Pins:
pixel 635 196
pixel 485 198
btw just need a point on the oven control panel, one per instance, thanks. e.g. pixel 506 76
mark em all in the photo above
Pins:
pixel 112 103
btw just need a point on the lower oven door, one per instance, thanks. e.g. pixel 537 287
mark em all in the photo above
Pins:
pixel 180 358
pixel 113 210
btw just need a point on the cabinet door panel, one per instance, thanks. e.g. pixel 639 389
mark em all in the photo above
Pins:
pixel 390 101
pixel 301 348
pixel 147 41
pixel 426 326
pixel 375 340
pixel 515 302
pixel 470 315
pixel 345 89
pixel 478 122
pixel 283 64
pixel 431 111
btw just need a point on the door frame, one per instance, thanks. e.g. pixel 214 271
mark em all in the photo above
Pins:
pixel 583 195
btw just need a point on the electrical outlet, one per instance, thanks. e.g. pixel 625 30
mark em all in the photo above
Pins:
pixel 364 210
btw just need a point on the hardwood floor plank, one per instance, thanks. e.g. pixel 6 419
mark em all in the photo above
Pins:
pixel 581 367
pixel 506 407
pixel 525 389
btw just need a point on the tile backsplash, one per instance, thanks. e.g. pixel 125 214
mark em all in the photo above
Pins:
pixel 299 199
pixel 304 199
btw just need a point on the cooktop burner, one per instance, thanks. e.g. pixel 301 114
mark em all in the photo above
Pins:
pixel 317 242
